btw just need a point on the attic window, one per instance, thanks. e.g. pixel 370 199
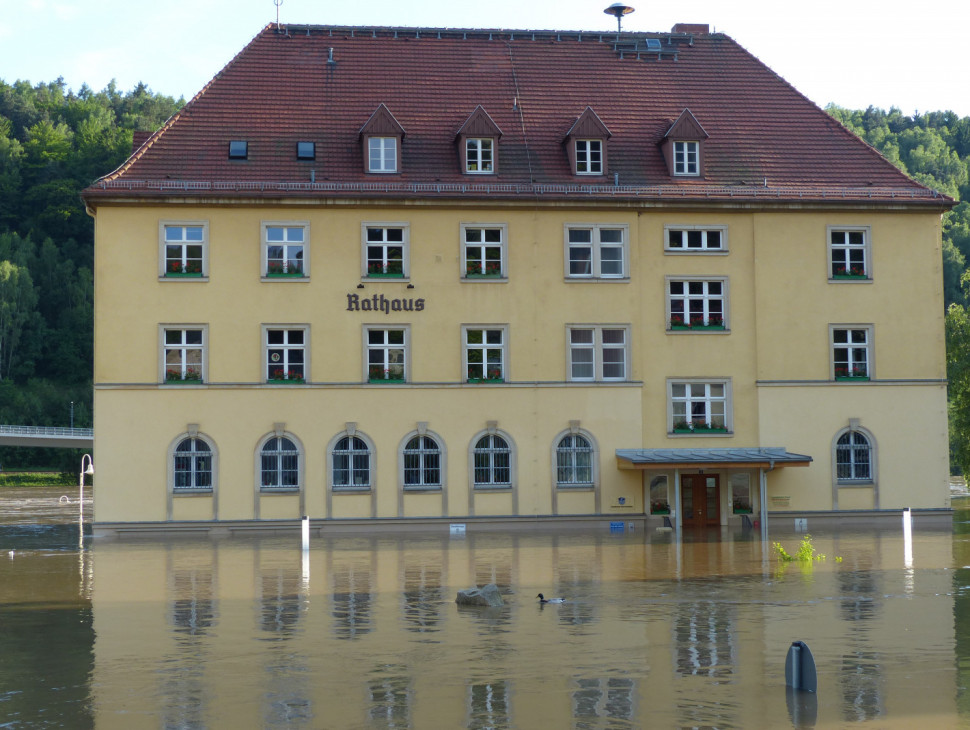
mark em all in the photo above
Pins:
pixel 686 155
pixel 586 144
pixel 238 149
pixel 306 150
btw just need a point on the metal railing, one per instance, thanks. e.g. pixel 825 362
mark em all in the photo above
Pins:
pixel 47 432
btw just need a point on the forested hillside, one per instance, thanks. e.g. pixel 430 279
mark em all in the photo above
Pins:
pixel 54 142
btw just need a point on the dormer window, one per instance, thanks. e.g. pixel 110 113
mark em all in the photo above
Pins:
pixel 382 136
pixel 382 154
pixel 478 144
pixel 238 149
pixel 478 156
pixel 686 155
pixel 306 150
pixel 683 146
pixel 586 144
pixel 589 157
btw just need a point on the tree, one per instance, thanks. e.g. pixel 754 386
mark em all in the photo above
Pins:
pixel 18 302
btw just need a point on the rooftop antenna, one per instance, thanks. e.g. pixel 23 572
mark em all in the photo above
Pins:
pixel 277 3
pixel 618 10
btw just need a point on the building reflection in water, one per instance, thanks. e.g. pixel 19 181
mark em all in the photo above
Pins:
pixel 489 705
pixel 281 610
pixel 197 634
pixel 610 699
pixel 860 669
pixel 390 697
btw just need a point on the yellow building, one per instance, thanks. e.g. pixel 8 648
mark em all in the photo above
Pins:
pixel 401 274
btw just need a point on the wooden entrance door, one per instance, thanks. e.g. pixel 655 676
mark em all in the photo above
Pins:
pixel 700 504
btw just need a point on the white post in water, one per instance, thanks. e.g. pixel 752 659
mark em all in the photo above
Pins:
pixel 80 497
pixel 907 538
pixel 306 550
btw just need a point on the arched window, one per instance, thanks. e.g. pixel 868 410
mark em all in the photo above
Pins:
pixel 574 461
pixel 279 465
pixel 492 462
pixel 351 459
pixel 192 465
pixel 853 457
pixel 422 463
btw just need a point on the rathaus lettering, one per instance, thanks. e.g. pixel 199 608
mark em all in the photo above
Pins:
pixel 380 303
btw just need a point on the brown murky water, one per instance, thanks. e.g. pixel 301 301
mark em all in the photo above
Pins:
pixel 363 631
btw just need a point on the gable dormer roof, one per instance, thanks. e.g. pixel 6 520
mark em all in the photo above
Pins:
pixel 479 124
pixel 382 124
pixel 686 127
pixel 589 125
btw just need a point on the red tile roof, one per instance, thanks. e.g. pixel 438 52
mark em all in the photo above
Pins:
pixel 766 141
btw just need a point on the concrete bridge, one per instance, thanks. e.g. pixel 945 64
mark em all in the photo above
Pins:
pixel 50 436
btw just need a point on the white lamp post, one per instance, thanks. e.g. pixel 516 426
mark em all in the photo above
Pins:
pixel 89 470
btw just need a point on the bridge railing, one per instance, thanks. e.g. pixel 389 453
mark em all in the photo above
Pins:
pixel 42 431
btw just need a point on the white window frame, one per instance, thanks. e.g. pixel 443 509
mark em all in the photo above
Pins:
pixel 387 365
pixel 421 453
pixel 589 156
pixel 480 256
pixel 853 480
pixel 858 360
pixel 596 249
pixel 194 471
pixel 383 242
pixel 705 398
pixel 288 228
pixel 597 350
pixel 474 450
pixel 706 299
pixel 284 363
pixel 477 149
pixel 841 253
pixel 695 234
pixel 488 345
pixel 185 261
pixel 183 346
pixel 687 158
pixel 382 154
pixel 356 481
pixel 570 452
pixel 298 451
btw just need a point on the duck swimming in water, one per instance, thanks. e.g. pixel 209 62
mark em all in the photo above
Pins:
pixel 543 599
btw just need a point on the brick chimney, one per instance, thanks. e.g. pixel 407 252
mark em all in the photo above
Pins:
pixel 696 28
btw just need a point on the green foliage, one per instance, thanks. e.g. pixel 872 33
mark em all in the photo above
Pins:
pixel 53 144
pixel 41 479
pixel 805 553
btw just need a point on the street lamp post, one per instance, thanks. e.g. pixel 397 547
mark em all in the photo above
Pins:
pixel 89 470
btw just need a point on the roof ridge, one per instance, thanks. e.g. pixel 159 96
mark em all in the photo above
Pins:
pixel 170 122
pixel 829 119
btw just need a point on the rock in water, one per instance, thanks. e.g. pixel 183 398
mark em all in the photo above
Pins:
pixel 484 596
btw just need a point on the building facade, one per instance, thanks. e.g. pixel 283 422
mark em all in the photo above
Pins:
pixel 400 274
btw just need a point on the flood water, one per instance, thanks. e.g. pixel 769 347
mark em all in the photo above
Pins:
pixel 364 631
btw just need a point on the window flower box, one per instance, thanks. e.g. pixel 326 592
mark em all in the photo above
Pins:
pixel 491 270
pixel 285 377
pixel 857 373
pixel 491 376
pixel 699 427
pixel 393 270
pixel 190 377
pixel 659 508
pixel 377 374
pixel 852 273
pixel 696 324
pixel 176 269
pixel 278 270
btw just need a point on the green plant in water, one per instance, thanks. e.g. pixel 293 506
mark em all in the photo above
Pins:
pixel 805 553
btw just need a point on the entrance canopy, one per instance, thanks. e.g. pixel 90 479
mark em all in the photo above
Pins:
pixel 757 457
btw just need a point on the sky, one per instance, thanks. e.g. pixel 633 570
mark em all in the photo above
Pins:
pixel 854 53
